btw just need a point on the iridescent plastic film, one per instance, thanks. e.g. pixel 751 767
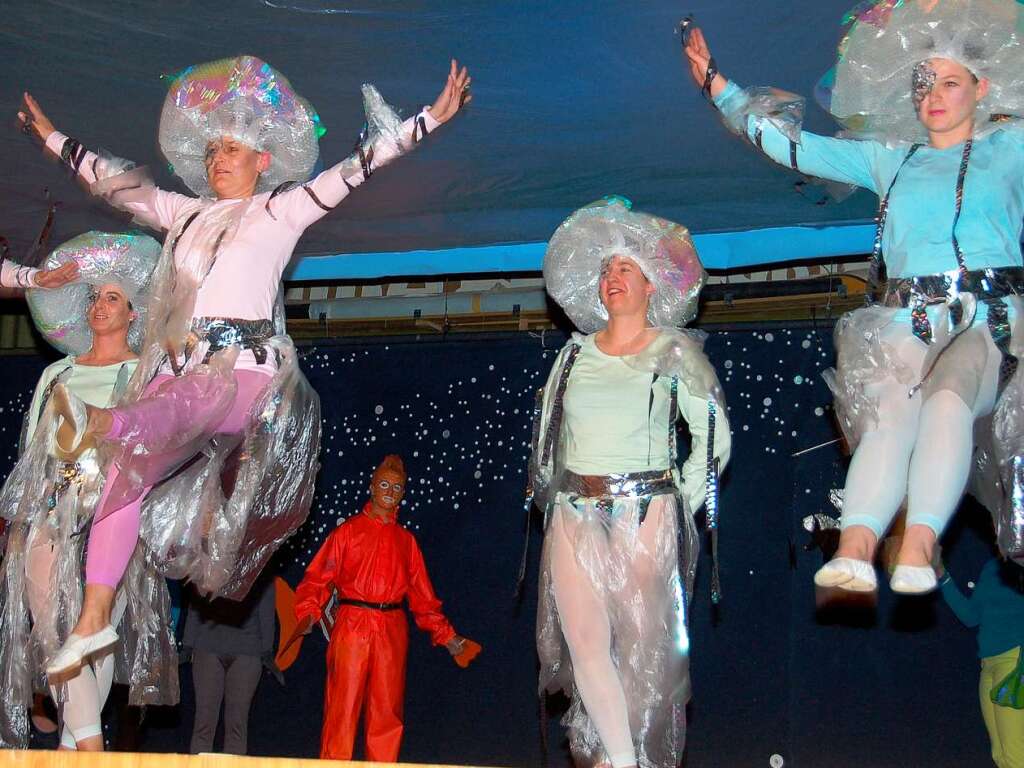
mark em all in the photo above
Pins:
pixel 126 259
pixel 246 99
pixel 662 249
pixel 872 89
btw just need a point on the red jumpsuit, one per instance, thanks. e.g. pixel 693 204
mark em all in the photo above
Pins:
pixel 365 559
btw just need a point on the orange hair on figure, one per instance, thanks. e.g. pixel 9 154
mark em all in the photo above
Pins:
pixel 393 463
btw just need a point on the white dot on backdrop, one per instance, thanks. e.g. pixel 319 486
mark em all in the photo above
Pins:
pixel 798 379
pixel 767 401
pixel 379 410
pixel 769 337
pixel 806 343
pixel 728 363
pixel 819 411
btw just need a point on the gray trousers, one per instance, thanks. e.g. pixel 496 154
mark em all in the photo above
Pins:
pixel 227 678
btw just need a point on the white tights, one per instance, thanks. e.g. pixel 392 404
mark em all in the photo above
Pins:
pixel 625 561
pixel 921 447
pixel 85 693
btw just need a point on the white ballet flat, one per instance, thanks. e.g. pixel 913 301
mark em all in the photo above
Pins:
pixel 847 573
pixel 913 579
pixel 74 417
pixel 78 648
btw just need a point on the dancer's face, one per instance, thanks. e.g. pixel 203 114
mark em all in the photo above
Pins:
pixel 111 312
pixel 948 105
pixel 233 168
pixel 387 489
pixel 623 287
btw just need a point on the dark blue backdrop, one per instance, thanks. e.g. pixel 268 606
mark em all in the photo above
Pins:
pixel 770 676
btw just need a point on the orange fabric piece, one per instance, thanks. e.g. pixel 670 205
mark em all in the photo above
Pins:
pixel 284 603
pixel 366 559
pixel 469 652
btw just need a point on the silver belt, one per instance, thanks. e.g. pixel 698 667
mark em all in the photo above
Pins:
pixel 630 484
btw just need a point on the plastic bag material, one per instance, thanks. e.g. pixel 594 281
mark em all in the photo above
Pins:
pixel 246 99
pixel 47 498
pixel 870 89
pixel 782 109
pixel 663 250
pixel 634 572
pixel 645 583
pixel 61 315
pixel 218 520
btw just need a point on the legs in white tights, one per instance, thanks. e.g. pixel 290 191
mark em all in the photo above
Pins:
pixel 614 573
pixel 587 629
pixel 84 694
pixel 921 447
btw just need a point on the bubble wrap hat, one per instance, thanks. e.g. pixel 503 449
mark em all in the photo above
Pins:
pixel 102 257
pixel 249 100
pixel 870 88
pixel 662 249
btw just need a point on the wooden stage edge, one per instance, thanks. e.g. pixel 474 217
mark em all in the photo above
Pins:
pixel 39 758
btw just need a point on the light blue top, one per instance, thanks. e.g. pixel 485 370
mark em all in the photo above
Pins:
pixel 918 232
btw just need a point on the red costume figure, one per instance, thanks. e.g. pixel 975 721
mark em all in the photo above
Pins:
pixel 373 563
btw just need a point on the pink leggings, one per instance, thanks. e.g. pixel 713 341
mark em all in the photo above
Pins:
pixel 113 536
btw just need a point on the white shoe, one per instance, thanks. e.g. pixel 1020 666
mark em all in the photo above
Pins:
pixel 847 573
pixel 74 418
pixel 78 648
pixel 913 579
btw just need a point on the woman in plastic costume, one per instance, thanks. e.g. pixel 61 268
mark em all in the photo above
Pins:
pixel 217 374
pixel 920 83
pixel 97 321
pixel 620 546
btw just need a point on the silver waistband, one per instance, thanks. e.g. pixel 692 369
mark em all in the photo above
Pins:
pixel 223 332
pixel 992 283
pixel 631 484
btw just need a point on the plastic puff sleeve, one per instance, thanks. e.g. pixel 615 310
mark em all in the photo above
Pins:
pixel 771 120
pixel 124 186
pixel 384 139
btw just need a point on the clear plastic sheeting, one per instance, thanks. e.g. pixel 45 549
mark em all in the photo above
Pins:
pixel 49 503
pixel 604 557
pixel 218 520
pixel 782 109
pixel 242 98
pixel 640 575
pixel 221 505
pixel 591 236
pixel 864 356
pixel 870 90
pixel 127 259
pixel 997 478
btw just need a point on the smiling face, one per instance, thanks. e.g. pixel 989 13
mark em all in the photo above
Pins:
pixel 233 168
pixel 110 312
pixel 946 95
pixel 623 287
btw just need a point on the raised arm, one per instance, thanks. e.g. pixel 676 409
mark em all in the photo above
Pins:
pixel 311 201
pixel 149 205
pixel 768 119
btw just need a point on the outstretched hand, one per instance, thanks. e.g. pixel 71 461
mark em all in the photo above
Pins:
pixel 56 278
pixel 699 57
pixel 454 94
pixel 33 120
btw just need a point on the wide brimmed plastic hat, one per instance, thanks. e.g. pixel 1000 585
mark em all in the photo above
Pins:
pixel 870 89
pixel 126 259
pixel 248 100
pixel 662 249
